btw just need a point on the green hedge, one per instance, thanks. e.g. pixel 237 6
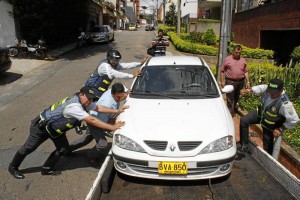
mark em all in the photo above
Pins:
pixel 184 45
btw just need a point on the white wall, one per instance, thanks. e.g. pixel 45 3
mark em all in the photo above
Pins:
pixel 7 25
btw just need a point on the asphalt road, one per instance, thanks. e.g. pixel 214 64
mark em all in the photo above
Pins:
pixel 29 92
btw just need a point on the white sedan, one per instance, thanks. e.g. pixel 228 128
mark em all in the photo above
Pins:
pixel 177 126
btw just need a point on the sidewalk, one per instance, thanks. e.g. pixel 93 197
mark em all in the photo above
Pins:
pixel 25 65
pixel 55 53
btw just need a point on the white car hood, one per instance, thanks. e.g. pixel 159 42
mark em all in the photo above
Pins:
pixel 176 120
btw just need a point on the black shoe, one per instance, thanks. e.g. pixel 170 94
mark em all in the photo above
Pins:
pixel 15 173
pixel 109 134
pixel 244 148
pixel 46 172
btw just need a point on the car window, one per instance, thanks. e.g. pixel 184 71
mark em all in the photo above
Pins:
pixel 182 81
pixel 99 29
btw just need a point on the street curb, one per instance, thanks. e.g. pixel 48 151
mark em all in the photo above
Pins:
pixel 96 190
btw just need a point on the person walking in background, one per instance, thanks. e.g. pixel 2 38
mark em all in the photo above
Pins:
pixel 107 70
pixel 234 71
pixel 275 114
pixel 54 122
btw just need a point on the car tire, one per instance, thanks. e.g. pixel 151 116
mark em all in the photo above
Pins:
pixel 40 54
pixel 13 51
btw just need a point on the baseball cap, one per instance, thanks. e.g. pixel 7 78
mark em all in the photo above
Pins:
pixel 88 91
pixel 275 86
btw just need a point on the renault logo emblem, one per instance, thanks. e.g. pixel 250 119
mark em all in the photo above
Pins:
pixel 172 147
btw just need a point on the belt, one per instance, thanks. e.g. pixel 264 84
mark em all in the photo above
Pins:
pixel 231 79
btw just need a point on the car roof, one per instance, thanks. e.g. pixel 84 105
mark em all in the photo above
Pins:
pixel 101 26
pixel 176 60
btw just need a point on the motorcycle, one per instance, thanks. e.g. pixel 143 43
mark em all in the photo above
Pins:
pixel 83 39
pixel 23 49
pixel 158 49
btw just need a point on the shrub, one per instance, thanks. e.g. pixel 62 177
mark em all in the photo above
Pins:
pixel 295 56
pixel 209 37
pixel 196 37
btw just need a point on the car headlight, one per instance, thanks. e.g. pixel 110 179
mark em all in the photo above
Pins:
pixel 126 143
pixel 221 144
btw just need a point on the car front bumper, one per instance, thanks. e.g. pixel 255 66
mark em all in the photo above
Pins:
pixel 148 167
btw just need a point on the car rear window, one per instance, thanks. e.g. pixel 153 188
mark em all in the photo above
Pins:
pixel 99 29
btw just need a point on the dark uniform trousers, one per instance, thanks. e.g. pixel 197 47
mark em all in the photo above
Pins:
pixel 37 136
pixel 233 97
pixel 252 118
pixel 101 148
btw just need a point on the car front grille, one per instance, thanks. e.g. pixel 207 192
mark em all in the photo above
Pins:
pixel 188 146
pixel 157 145
pixel 162 145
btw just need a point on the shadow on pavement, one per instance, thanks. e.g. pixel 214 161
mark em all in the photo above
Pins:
pixel 9 77
pixel 76 160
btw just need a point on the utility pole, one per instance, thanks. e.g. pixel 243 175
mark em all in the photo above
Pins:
pixel 164 12
pixel 178 18
pixel 224 34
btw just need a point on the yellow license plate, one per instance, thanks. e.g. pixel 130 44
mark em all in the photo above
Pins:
pixel 172 167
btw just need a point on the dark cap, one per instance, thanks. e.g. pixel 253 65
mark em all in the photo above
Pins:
pixel 88 91
pixel 275 86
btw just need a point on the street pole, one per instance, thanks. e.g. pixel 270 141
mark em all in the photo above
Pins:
pixel 224 34
pixel 178 18
pixel 164 12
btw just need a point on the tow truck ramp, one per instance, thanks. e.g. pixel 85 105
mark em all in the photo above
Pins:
pixel 256 175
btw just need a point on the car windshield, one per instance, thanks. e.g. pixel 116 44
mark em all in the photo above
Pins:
pixel 99 29
pixel 175 82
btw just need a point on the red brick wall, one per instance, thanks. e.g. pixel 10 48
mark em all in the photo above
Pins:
pixel 282 15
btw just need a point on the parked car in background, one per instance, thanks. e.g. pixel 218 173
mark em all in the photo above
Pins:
pixel 132 27
pixel 178 126
pixel 101 33
pixel 149 27
pixel 5 62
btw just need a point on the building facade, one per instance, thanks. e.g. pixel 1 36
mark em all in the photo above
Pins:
pixel 271 25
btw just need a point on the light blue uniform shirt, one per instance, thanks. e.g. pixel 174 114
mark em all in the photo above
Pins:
pixel 108 101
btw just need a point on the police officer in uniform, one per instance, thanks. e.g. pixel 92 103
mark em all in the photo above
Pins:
pixel 107 70
pixel 275 114
pixel 54 122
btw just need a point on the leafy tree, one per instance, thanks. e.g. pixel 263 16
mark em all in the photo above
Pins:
pixel 171 16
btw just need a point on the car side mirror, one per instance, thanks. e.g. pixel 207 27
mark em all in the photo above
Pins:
pixel 227 89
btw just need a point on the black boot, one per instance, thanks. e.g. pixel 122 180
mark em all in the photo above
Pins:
pixel 14 166
pixel 47 168
pixel 48 171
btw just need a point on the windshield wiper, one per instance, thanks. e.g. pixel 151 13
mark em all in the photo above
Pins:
pixel 160 94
